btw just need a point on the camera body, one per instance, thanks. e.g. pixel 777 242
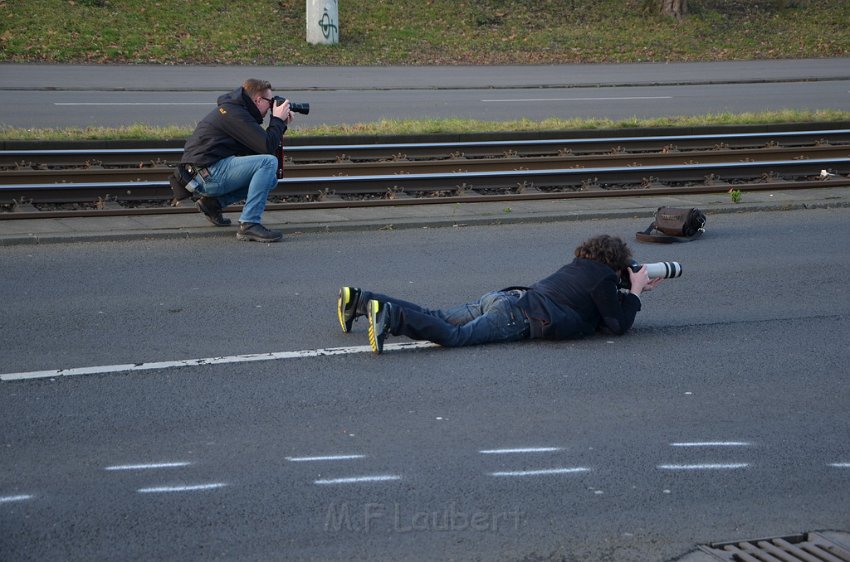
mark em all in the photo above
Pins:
pixel 302 108
pixel 662 269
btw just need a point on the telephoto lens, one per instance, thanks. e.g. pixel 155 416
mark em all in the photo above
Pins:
pixel 664 269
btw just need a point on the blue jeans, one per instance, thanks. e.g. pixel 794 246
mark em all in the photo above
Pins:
pixel 495 317
pixel 236 178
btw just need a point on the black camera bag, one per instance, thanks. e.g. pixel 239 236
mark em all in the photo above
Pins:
pixel 674 224
pixel 179 180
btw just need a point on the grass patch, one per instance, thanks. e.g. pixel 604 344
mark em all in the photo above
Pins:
pixel 439 126
pixel 268 32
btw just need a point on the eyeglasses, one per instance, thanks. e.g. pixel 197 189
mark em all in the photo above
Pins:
pixel 268 100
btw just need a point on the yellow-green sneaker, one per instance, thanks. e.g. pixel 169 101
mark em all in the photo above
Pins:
pixel 346 307
pixel 379 324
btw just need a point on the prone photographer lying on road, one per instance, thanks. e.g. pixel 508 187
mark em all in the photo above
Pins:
pixel 575 301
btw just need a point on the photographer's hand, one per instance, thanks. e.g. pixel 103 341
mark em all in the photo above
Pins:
pixel 653 283
pixel 282 112
pixel 639 280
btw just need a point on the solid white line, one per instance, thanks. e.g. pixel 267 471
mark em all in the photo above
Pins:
pixel 109 369
pixel 712 444
pixel 6 499
pixel 166 489
pixel 541 472
pixel 581 99
pixel 840 465
pixel 133 103
pixel 525 450
pixel 147 466
pixel 327 458
pixel 702 466
pixel 358 479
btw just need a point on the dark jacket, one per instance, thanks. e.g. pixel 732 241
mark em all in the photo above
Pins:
pixel 576 300
pixel 234 128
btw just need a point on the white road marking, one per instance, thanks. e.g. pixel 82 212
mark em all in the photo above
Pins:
pixel 712 444
pixel 526 100
pixel 702 466
pixel 147 466
pixel 110 369
pixel 521 450
pixel 99 104
pixel 840 465
pixel 358 479
pixel 541 472
pixel 167 489
pixel 327 458
pixel 6 499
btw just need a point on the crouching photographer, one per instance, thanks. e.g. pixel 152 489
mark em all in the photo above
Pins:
pixel 230 157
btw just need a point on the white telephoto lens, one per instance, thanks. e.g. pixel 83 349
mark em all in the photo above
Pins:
pixel 664 269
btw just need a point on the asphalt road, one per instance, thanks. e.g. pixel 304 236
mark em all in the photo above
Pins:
pixel 115 95
pixel 721 416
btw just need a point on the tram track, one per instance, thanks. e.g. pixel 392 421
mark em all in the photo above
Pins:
pixel 74 182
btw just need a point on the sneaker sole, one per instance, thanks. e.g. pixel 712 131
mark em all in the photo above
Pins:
pixel 344 297
pixel 377 346
pixel 248 238
pixel 224 220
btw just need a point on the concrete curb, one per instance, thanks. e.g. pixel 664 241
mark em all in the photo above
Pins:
pixel 115 229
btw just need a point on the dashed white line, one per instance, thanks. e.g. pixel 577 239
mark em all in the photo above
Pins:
pixel 729 466
pixel 526 100
pixel 7 499
pixel 110 369
pixel 711 444
pixel 325 458
pixel 193 488
pixel 520 450
pixel 358 479
pixel 541 472
pixel 147 466
pixel 840 465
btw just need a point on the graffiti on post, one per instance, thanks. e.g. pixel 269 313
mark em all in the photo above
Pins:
pixel 329 29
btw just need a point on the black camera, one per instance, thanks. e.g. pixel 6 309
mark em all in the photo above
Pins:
pixel 662 269
pixel 302 108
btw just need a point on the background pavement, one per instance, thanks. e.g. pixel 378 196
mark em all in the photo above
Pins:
pixel 304 78
pixel 46 96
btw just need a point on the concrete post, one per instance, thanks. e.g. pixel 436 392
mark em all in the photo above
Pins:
pixel 322 22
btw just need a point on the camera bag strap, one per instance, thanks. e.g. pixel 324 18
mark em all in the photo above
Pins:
pixel 673 224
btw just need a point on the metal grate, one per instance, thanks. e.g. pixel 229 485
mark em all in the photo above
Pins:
pixel 809 547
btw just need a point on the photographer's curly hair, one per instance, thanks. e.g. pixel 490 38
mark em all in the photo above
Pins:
pixel 610 250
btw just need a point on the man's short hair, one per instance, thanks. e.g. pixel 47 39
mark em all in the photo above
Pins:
pixel 252 86
pixel 610 250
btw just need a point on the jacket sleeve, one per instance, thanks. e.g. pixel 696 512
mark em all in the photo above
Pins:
pixel 244 129
pixel 617 311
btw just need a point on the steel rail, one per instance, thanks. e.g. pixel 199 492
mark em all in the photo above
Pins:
pixel 432 150
pixel 78 175
pixel 396 200
pixel 522 169
pixel 425 186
